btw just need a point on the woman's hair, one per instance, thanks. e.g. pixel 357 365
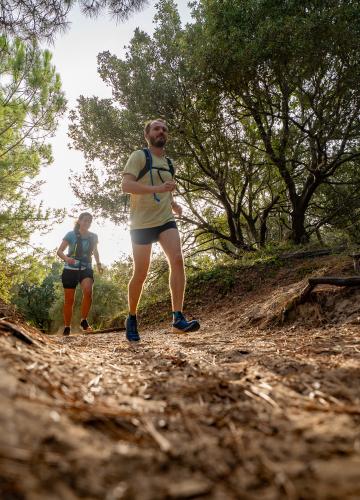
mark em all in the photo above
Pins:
pixel 81 216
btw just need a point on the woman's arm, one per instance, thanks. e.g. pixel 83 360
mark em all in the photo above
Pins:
pixel 60 253
pixel 130 185
pixel 97 259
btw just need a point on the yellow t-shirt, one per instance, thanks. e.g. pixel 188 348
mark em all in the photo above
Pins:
pixel 145 211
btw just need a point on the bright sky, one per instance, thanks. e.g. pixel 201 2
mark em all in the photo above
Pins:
pixel 74 56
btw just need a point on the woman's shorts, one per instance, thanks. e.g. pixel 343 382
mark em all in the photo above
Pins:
pixel 150 234
pixel 70 278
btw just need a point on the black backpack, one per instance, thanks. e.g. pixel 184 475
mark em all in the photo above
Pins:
pixel 149 167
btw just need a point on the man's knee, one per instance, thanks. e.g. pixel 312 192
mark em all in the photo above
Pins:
pixel 139 276
pixel 177 260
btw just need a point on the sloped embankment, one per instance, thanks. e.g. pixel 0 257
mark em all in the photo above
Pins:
pixel 237 410
pixel 270 295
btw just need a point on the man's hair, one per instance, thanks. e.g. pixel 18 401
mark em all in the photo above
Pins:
pixel 149 122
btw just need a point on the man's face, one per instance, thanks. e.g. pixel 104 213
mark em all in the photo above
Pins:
pixel 158 134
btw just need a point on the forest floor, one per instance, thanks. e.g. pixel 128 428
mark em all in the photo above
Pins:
pixel 246 408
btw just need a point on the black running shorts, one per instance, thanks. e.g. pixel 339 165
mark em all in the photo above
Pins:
pixel 150 234
pixel 71 278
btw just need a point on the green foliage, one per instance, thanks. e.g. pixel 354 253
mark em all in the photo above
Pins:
pixel 31 101
pixel 221 278
pixel 36 19
pixel 262 100
pixel 34 296
pixel 228 189
pixel 293 68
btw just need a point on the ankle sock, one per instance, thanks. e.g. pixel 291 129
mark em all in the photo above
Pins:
pixel 177 315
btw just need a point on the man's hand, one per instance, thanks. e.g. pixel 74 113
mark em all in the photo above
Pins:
pixel 100 268
pixel 166 186
pixel 70 261
pixel 176 208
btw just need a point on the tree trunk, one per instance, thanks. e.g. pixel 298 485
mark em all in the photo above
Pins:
pixel 298 233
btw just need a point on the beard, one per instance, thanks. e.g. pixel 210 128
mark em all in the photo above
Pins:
pixel 158 142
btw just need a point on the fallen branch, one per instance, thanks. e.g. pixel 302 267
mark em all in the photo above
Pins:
pixel 330 280
pixel 18 332
pixel 313 282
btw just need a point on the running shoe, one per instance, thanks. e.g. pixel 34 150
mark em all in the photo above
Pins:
pixel 181 325
pixel 85 326
pixel 66 330
pixel 132 333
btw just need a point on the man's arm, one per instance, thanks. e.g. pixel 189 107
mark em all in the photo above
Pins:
pixel 176 208
pixel 130 185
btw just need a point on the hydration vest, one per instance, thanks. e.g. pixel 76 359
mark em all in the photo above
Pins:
pixel 148 167
pixel 79 253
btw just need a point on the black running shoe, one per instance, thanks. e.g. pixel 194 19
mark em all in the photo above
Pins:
pixel 66 330
pixel 132 333
pixel 85 325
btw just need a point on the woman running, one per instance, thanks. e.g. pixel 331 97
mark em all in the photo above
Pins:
pixel 78 269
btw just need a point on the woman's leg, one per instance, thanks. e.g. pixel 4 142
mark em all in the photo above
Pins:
pixel 86 287
pixel 69 294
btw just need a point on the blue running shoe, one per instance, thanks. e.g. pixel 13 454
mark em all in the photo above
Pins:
pixel 181 325
pixel 132 333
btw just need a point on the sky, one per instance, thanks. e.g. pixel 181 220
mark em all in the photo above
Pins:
pixel 75 58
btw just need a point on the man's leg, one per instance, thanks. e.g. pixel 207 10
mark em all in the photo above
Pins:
pixel 87 288
pixel 141 262
pixel 171 244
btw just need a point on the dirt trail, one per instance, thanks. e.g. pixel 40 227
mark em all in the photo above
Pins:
pixel 232 411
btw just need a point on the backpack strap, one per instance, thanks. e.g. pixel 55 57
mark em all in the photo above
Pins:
pixel 147 166
pixel 171 166
pixel 78 250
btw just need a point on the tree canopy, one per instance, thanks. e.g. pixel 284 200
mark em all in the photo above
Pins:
pixel 31 102
pixel 264 118
pixel 38 19
pixel 293 67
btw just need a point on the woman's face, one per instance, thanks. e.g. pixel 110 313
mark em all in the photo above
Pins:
pixel 85 222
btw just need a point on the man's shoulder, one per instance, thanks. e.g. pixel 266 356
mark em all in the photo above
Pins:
pixel 135 162
pixel 138 154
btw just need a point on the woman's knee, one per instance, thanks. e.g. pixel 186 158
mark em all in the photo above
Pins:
pixel 69 300
pixel 87 292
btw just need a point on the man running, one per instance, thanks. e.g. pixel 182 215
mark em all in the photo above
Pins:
pixel 148 177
